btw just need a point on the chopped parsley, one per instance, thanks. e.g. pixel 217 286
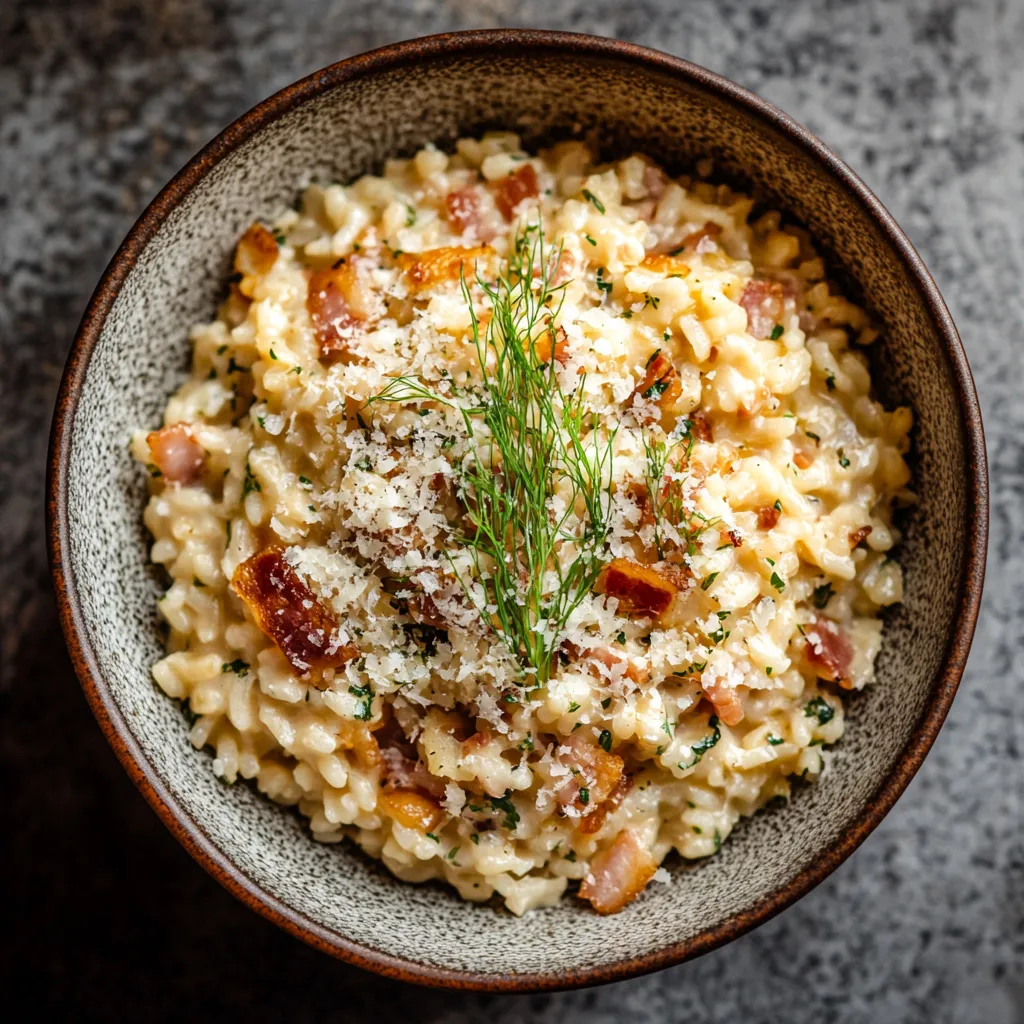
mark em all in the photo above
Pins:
pixel 526 744
pixel 250 483
pixel 430 835
pixel 305 481
pixel 364 706
pixel 604 741
pixel 620 637
pixel 573 706
pixel 702 746
pixel 592 241
pixel 239 667
pixel 777 582
pixel 778 505
pixel 776 332
pixel 820 709
pixel 593 200
pixel 505 805
pixel 774 741
pixel 584 795
pixel 452 852
pixel 659 387
pixel 410 217
pixel 571 856
pixel 708 580
pixel 843 460
pixel 602 284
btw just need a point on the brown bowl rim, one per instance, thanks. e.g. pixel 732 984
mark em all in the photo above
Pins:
pixel 185 830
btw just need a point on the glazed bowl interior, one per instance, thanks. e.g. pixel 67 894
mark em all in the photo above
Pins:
pixel 133 351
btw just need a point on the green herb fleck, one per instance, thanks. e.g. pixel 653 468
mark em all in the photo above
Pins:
pixel 604 741
pixel 593 200
pixel 239 667
pixel 776 332
pixel 820 709
pixel 777 582
pixel 505 805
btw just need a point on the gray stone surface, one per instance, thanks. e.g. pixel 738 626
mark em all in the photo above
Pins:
pixel 106 916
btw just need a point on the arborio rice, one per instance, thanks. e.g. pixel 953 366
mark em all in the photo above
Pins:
pixel 526 518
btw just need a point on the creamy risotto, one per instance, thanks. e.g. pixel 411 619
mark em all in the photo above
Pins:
pixel 526 518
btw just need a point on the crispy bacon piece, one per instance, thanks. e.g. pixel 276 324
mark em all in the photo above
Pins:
pixel 618 874
pixel 256 251
pixel 768 516
pixel 695 239
pixel 639 588
pixel 700 425
pixel 678 575
pixel 176 453
pixel 465 212
pixel 593 770
pixel 290 613
pixel 340 301
pixel 661 383
pixel 861 533
pixel 511 190
pixel 438 266
pixel 593 822
pixel 411 808
pixel 613 660
pixel 357 737
pixel 764 303
pixel 829 651
pixel 659 263
pixel 727 702
pixel 545 347
pixel 734 538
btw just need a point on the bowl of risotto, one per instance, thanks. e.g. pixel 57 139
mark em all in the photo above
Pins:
pixel 518 509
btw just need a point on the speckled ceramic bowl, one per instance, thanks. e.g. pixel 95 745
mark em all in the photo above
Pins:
pixel 131 352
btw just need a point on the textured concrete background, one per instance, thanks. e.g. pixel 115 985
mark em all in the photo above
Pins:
pixel 106 917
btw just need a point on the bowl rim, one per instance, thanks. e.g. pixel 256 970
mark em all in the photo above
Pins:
pixel 112 722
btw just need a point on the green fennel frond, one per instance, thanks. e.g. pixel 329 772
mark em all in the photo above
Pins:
pixel 536 483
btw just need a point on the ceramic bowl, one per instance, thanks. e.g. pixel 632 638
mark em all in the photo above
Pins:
pixel 132 351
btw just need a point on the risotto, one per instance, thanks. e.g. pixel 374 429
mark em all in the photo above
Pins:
pixel 526 518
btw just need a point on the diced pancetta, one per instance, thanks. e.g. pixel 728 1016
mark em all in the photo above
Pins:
pixel 341 301
pixel 285 608
pixel 661 384
pixel 411 808
pixel 256 252
pixel 829 650
pixel 465 208
pixel 763 301
pixel 638 588
pixel 768 516
pixel 443 265
pixel 618 874
pixel 594 774
pixel 514 188
pixel 176 453
pixel 552 344
pixel 726 700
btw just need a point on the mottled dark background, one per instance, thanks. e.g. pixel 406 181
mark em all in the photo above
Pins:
pixel 105 917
